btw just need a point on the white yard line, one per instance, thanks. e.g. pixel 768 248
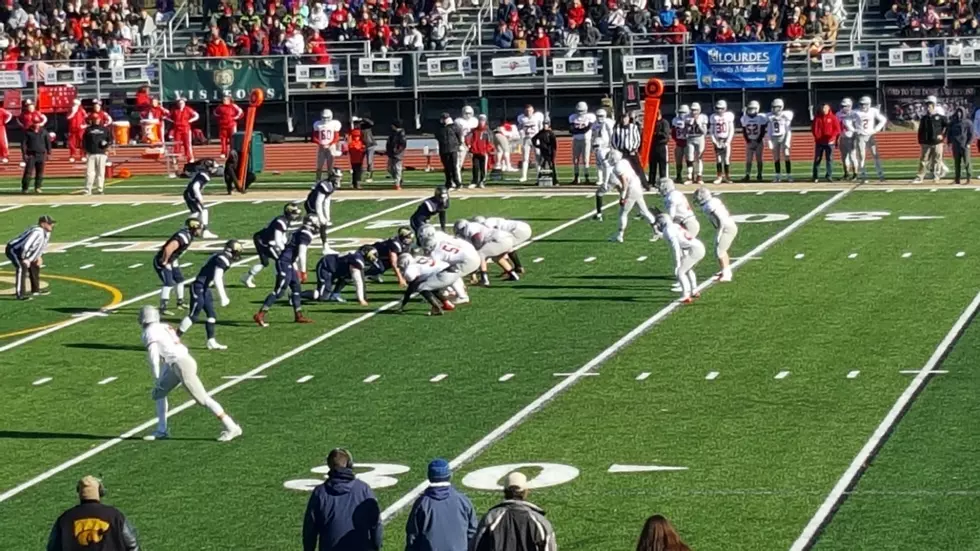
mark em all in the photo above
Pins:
pixel 41 381
pixel 782 375
pixel 854 471
pixel 10 208
pixel 304 379
pixel 257 371
pixel 438 378
pixel 711 376
pixel 518 418
pixel 506 377
pixel 372 378
pixel 853 374
pixel 107 380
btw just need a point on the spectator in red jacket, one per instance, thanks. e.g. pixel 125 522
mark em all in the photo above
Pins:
pixel 228 114
pixel 576 14
pixel 216 46
pixel 480 143
pixel 356 150
pixel 826 129
pixel 317 46
pixel 541 44
pixel 725 33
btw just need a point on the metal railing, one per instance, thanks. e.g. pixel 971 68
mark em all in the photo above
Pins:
pixel 600 68
pixel 181 18
pixel 857 26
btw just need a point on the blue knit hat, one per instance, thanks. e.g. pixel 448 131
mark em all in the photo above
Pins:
pixel 439 471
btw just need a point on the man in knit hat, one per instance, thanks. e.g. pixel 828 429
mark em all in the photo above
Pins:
pixel 442 519
pixel 92 525
pixel 515 524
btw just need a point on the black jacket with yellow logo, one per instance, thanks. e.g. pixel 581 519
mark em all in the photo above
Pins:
pixel 92 526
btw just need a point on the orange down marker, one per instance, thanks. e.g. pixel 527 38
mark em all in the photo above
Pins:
pixel 255 100
pixel 654 89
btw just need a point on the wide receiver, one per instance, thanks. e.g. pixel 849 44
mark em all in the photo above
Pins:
pixel 725 227
pixel 171 364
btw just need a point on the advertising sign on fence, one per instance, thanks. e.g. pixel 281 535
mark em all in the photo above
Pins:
pixel 211 79
pixel 908 103
pixel 511 66
pixel 739 65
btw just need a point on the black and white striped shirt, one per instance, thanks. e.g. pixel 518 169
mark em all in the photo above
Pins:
pixel 29 245
pixel 626 138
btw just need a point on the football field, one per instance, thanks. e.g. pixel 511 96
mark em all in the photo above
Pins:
pixel 826 398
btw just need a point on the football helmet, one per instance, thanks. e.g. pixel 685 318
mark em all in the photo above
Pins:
pixel 721 106
pixel 683 110
pixel 581 108
pixel 614 157
pixel 234 248
pixel 291 211
pixel 405 235
pixel 702 195
pixel 753 108
pixel 194 226
pixel 665 185
pixel 777 105
pixel 149 314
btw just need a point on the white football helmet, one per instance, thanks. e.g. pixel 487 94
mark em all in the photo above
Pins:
pixel 427 231
pixel 600 114
pixel 721 106
pixel 429 244
pixel 581 108
pixel 695 108
pixel 753 108
pixel 777 105
pixel 702 195
pixel 614 157
pixel 683 110
pixel 326 115
pixel 846 104
pixel 663 220
pixel 149 314
pixel 467 112
pixel 865 103
pixel 665 185
pixel 460 227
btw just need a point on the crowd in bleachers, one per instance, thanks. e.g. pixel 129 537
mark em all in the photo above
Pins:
pixel 63 30
pixel 296 27
pixel 809 26
pixel 922 20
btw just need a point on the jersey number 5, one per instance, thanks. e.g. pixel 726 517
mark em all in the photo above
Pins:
pixel 449 248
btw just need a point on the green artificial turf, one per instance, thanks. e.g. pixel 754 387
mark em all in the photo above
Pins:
pixel 761 453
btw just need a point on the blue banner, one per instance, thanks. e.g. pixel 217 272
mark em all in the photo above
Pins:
pixel 754 65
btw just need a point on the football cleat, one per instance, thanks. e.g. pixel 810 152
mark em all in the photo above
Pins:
pixel 157 435
pixel 208 234
pixel 300 318
pixel 448 306
pixel 230 434
pixel 247 281
pixel 676 288
pixel 616 238
pixel 335 297
pixel 259 318
pixel 215 345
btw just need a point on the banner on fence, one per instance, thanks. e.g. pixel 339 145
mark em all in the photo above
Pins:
pixel 212 79
pixel 448 66
pixel 644 64
pixel 908 103
pixel 511 66
pixel 12 79
pixel 910 57
pixel 844 61
pixel 318 73
pixel 739 65
pixel 574 66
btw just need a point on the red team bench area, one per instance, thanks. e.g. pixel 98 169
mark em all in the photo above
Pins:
pixel 297 156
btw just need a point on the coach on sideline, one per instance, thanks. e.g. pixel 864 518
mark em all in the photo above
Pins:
pixel 25 251
pixel 95 140
pixel 342 513
pixel 92 525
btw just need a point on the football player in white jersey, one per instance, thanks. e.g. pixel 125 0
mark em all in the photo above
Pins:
pixel 580 122
pixel 492 245
pixel 467 123
pixel 722 127
pixel 428 277
pixel 520 230
pixel 170 365
pixel 779 133
pixel 458 253
pixel 697 128
pixel 845 142
pixel 677 207
pixel 630 187
pixel 529 123
pixel 866 122
pixel 753 130
pixel 687 250
pixel 326 133
pixel 725 229
pixel 602 144
pixel 678 128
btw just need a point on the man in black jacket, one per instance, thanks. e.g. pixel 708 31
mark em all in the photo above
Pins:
pixel 932 133
pixel 960 136
pixel 95 141
pixel 449 138
pixel 395 151
pixel 547 145
pixel 92 525
pixel 36 147
pixel 367 136
pixel 658 149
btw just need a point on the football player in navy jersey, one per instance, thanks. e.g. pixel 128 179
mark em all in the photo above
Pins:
pixel 318 203
pixel 194 194
pixel 270 241
pixel 213 272
pixel 167 265
pixel 291 272
pixel 437 204
pixel 388 251
pixel 334 271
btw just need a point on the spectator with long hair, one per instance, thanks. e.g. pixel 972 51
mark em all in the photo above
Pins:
pixel 659 535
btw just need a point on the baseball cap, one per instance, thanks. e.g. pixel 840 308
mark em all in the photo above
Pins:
pixel 45 219
pixel 516 480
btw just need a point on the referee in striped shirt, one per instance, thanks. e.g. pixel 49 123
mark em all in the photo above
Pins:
pixel 25 251
pixel 626 140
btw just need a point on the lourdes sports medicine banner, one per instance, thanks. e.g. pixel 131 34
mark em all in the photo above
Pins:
pixel 204 79
pixel 753 65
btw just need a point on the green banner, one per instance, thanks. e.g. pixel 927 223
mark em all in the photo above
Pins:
pixel 212 79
